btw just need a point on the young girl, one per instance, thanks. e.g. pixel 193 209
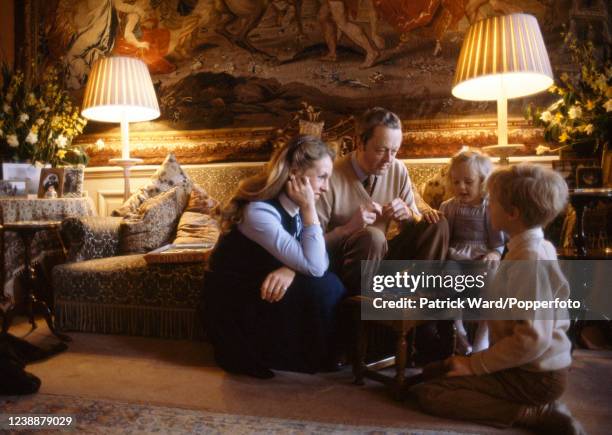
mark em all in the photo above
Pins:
pixel 269 301
pixel 471 234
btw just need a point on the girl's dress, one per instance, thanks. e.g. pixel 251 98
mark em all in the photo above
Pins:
pixel 250 335
pixel 471 234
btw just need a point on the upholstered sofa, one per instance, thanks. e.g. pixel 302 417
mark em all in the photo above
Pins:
pixel 101 290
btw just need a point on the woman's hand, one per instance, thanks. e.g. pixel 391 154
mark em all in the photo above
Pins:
pixel 458 366
pixel 300 191
pixel 276 283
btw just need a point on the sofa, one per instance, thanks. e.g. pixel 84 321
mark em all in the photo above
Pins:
pixel 103 289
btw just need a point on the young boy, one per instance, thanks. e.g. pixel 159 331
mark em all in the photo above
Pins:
pixel 518 379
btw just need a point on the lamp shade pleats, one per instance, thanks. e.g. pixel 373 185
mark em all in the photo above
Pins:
pixel 502 57
pixel 120 88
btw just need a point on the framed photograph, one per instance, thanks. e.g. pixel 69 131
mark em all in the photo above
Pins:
pixel 588 177
pixel 73 182
pixel 51 178
pixel 12 188
pixel 568 169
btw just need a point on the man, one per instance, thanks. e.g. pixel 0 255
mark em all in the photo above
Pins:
pixel 368 191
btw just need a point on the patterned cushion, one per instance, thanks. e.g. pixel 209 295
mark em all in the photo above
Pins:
pixel 196 227
pixel 155 223
pixel 168 175
pixel 201 202
pixel 90 237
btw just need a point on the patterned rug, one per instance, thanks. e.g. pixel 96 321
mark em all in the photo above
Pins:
pixel 107 416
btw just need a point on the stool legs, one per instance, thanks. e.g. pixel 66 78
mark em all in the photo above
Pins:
pixel 359 353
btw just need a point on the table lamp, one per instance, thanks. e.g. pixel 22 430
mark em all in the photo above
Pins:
pixel 501 58
pixel 119 89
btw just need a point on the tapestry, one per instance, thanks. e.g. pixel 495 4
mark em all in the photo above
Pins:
pixel 239 66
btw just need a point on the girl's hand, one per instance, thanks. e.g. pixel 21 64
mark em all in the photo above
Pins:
pixel 458 366
pixel 492 256
pixel 276 284
pixel 300 191
pixel 432 216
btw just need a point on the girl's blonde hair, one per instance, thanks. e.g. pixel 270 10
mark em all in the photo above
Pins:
pixel 475 159
pixel 299 154
pixel 538 193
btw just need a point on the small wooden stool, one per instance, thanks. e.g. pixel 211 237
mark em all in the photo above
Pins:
pixel 403 351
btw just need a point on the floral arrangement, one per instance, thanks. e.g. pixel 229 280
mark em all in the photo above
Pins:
pixel 38 121
pixel 581 117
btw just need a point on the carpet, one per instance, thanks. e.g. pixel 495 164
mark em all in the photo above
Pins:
pixel 109 416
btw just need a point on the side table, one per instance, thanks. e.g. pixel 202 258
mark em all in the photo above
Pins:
pixel 26 230
pixel 581 199
pixel 45 247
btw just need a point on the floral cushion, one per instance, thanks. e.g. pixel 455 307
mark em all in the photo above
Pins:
pixel 168 175
pixel 155 223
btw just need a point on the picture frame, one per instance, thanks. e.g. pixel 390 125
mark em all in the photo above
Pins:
pixel 588 177
pixel 568 168
pixel 13 188
pixel 73 182
pixel 51 177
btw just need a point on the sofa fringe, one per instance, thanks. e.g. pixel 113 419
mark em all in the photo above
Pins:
pixel 182 323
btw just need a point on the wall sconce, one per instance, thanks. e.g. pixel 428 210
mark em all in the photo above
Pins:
pixel 502 58
pixel 119 89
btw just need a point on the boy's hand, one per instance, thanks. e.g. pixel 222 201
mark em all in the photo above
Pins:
pixel 459 366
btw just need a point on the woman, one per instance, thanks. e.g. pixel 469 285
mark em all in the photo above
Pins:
pixel 269 302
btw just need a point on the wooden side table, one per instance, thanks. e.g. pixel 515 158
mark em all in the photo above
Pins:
pixel 581 199
pixel 26 230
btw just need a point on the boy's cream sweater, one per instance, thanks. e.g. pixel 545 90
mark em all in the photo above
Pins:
pixel 535 345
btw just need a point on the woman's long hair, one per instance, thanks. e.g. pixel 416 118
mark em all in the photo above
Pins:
pixel 299 154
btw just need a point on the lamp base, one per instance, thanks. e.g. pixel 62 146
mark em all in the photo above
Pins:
pixel 503 151
pixel 126 164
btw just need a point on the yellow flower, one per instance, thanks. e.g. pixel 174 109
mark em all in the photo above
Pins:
pixel 590 105
pixel 574 112
pixel 546 116
pixel 589 129
pixel 564 137
pixel 61 153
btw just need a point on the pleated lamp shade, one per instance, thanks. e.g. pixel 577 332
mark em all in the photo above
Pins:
pixel 120 89
pixel 502 57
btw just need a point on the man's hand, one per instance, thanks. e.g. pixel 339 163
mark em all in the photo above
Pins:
pixel 458 366
pixel 365 215
pixel 432 216
pixel 276 283
pixel 398 210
